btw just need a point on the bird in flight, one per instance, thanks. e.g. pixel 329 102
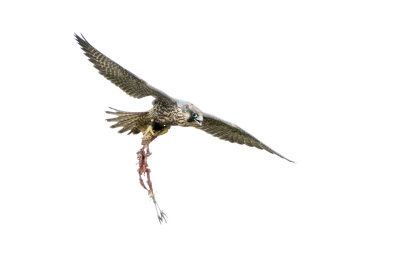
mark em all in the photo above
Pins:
pixel 166 111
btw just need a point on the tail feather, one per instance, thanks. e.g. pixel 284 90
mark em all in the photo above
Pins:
pixel 133 122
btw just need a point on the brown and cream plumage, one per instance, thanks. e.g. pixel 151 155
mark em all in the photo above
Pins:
pixel 166 111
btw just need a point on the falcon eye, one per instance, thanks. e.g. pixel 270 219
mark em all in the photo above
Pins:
pixel 194 115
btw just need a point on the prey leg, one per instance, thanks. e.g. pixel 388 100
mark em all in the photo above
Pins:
pixel 144 170
pixel 162 217
pixel 142 183
pixel 142 157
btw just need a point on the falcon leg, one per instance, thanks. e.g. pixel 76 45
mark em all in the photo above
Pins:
pixel 163 131
pixel 149 130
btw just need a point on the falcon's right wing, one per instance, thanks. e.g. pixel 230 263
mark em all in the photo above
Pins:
pixel 232 133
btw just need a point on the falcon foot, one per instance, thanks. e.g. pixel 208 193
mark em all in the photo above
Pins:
pixel 144 170
pixel 149 130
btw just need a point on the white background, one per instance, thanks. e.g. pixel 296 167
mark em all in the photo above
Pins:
pixel 317 81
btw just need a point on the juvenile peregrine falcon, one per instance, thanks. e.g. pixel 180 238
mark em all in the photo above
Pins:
pixel 166 111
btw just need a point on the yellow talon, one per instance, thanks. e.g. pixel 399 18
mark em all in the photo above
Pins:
pixel 149 129
pixel 164 131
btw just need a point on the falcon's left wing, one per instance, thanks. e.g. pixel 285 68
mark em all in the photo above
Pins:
pixel 124 79
pixel 232 133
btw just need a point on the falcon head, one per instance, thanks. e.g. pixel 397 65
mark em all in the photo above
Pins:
pixel 193 115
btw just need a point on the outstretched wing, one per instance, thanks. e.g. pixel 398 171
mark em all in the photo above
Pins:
pixel 232 133
pixel 124 79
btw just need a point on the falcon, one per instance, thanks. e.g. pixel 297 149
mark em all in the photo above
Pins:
pixel 166 111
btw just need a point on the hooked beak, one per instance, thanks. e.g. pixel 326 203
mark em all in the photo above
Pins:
pixel 199 120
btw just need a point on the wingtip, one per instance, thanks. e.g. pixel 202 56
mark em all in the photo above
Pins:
pixel 80 39
pixel 279 155
pixel 77 37
pixel 287 159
